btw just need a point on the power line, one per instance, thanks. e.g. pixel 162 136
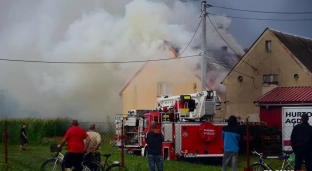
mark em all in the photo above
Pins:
pixel 73 62
pixel 115 62
pixel 192 38
pixel 273 12
pixel 223 65
pixel 227 43
pixel 268 19
pixel 232 69
pixel 229 68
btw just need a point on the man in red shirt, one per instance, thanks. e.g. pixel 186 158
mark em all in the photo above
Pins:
pixel 74 137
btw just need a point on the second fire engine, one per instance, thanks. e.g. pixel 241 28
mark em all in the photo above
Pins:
pixel 186 122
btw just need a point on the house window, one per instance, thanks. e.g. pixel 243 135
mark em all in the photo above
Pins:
pixel 164 88
pixel 270 79
pixel 268 45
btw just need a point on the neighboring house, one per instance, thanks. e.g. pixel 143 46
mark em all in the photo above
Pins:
pixel 275 59
pixel 154 79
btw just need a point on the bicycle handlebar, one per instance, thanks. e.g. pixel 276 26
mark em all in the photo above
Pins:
pixel 255 152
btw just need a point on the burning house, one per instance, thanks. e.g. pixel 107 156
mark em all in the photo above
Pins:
pixel 153 80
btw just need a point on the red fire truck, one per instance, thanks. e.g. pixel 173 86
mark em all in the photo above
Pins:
pixel 186 122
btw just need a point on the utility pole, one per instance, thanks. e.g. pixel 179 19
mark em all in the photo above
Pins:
pixel 204 48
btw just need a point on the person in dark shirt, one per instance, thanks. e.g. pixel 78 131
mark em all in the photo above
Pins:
pixel 23 138
pixel 301 143
pixel 154 139
pixel 231 136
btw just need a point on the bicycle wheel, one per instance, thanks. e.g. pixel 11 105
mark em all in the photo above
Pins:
pixel 292 167
pixel 289 167
pixel 258 167
pixel 51 165
pixel 115 168
pixel 93 165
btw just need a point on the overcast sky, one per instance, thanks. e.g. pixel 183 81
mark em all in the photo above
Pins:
pixel 247 31
pixel 73 30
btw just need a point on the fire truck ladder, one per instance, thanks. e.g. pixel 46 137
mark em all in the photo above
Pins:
pixel 184 112
pixel 206 106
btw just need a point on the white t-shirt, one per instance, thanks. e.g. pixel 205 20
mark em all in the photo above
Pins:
pixel 94 139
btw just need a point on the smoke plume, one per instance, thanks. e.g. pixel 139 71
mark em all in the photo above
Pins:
pixel 93 30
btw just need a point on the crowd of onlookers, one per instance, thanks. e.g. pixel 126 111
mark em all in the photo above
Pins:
pixel 81 145
pixel 79 142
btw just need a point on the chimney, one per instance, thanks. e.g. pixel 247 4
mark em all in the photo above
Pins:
pixel 224 48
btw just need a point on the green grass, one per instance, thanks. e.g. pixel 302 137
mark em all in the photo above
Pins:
pixel 31 159
pixel 41 133
pixel 35 155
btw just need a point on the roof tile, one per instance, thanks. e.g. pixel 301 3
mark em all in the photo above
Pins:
pixel 301 47
pixel 284 95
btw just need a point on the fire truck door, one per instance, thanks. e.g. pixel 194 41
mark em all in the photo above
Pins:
pixel 166 153
pixel 158 120
pixel 144 123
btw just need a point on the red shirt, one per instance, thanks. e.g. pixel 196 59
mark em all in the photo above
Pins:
pixel 75 136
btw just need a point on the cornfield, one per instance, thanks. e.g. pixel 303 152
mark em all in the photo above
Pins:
pixel 45 131
pixel 39 131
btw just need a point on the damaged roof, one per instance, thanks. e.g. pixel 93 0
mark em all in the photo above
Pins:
pixel 218 57
pixel 299 46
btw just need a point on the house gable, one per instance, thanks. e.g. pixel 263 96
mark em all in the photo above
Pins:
pixel 243 60
pixel 278 61
pixel 143 89
pixel 175 62
pixel 175 71
pixel 172 53
pixel 299 48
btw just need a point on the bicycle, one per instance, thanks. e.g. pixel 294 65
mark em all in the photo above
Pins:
pixel 262 165
pixel 56 163
pixel 106 166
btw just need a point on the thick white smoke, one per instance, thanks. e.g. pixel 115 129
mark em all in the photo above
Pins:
pixel 88 30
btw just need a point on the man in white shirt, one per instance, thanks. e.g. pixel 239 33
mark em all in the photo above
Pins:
pixel 94 145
